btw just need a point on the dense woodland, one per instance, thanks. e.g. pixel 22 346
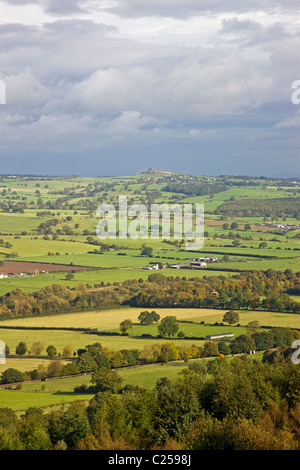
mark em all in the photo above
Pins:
pixel 240 404
pixel 279 207
pixel 195 188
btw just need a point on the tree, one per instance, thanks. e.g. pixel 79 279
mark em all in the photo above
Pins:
pixel 210 349
pixel 33 431
pixel 252 327
pixel 147 251
pixel 37 348
pixel 67 351
pixel 231 317
pixel 75 424
pixel 51 351
pixel 224 348
pixel 242 344
pixel 69 276
pixel 168 326
pixel 86 362
pixel 106 380
pixel 55 368
pixel 147 318
pixel 181 334
pixel 12 376
pixel 263 245
pixel 21 349
pixel 126 325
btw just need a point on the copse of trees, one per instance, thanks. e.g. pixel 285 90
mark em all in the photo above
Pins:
pixel 249 290
pixel 147 318
pixel 195 188
pixel 270 207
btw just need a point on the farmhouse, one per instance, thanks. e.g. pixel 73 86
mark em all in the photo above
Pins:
pixel 220 335
pixel 149 268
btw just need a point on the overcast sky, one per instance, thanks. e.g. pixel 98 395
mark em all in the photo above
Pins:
pixel 112 87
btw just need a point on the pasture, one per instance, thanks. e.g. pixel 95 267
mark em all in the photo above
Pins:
pixel 71 240
pixel 21 401
pixel 111 319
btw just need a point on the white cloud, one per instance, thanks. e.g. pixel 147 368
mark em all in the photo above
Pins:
pixel 87 74
pixel 290 122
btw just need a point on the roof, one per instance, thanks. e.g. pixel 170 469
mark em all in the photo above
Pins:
pixel 222 334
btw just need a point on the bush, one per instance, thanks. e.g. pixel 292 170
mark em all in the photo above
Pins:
pixel 12 376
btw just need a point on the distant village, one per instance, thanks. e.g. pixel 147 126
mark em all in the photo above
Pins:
pixel 282 226
pixel 194 263
pixel 27 274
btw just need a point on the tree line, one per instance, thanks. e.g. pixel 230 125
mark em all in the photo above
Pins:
pixel 94 357
pixel 252 290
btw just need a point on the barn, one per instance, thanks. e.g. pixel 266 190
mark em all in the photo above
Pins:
pixel 220 335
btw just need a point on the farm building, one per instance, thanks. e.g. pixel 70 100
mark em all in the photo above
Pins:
pixel 149 268
pixel 220 335
pixel 198 264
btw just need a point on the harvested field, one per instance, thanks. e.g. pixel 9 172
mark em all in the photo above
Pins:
pixel 15 267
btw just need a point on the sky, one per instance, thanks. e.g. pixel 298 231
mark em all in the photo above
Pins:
pixel 113 87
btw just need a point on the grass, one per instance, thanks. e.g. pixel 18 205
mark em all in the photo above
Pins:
pixel 60 391
pixel 111 319
pixel 110 267
pixel 21 401
pixel 24 364
pixel 59 339
pixel 189 329
pixel 34 283
pixel 77 341
pixel 142 376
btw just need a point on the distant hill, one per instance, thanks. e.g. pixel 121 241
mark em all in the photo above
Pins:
pixel 156 171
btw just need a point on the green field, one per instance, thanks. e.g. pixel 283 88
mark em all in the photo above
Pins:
pixel 60 391
pixel 34 283
pixel 143 376
pixel 28 204
pixel 21 401
pixel 111 319
pixel 25 363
